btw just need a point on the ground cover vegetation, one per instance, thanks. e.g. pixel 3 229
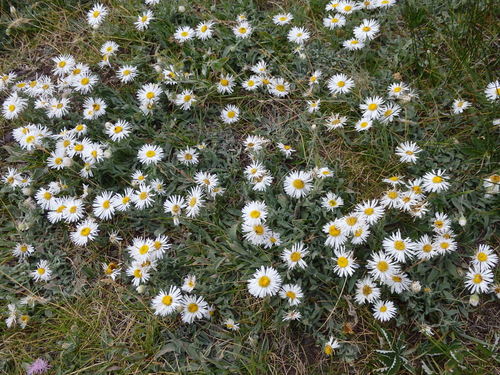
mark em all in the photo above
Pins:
pixel 295 187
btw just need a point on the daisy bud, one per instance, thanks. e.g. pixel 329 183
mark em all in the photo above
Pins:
pixel 13 10
pixel 95 26
pixel 460 271
pixel 158 68
pixel 29 203
pixel 232 49
pixel 107 154
pixel 27 191
pixel 313 127
pixel 182 9
pixel 415 287
pixel 302 56
pixel 141 289
pixel 462 221
pixel 474 300
pixel 108 125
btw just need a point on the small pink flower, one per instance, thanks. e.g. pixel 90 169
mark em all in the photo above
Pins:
pixel 40 366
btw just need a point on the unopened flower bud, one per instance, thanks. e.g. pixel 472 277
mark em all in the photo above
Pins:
pixel 474 300
pixel 415 287
pixel 141 289
pixel 182 9
pixel 462 221
pixel 107 154
pixel 313 127
pixel 158 68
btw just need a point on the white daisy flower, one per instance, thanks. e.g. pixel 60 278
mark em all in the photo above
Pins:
pixel 282 18
pixel 334 21
pixel 85 232
pixel 148 154
pixel 143 20
pixel 295 256
pixel 166 303
pixel 297 184
pixel 298 35
pixel 340 84
pixel 265 282
pixel 291 292
pixel 345 263
pixel 478 280
pixel 193 308
pixel 366 291
pixel 384 310
pixel 230 114
pixel 42 272
pixel 242 30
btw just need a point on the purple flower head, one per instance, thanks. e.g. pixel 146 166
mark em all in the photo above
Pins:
pixel 40 366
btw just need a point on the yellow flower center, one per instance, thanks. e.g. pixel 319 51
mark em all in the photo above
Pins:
pixel 298 184
pixel 138 273
pixel 340 83
pixel 495 179
pixel 347 8
pixel 144 19
pixel 283 19
pixel 192 202
pixel 143 195
pixel 351 221
pixel 383 309
pixel 96 13
pixel 231 114
pixel 342 262
pixel 437 180
pixel 106 204
pixel 392 195
pixel 280 88
pixel 224 82
pixel 399 245
pixel 388 113
pixel 444 245
pixel 264 282
pixel 72 209
pixel 328 350
pixel 290 295
pixel 204 28
pixel 85 231
pixel 24 248
pixel 41 271
pixel 30 139
pixel 12 107
pixel 358 232
pixel 478 278
pixel 295 256
pixel 176 209
pixel 187 98
pixel 242 30
pixel 125 200
pixel 150 153
pixel 366 29
pixel 94 153
pixel 427 248
pixel 354 42
pixel 79 147
pixel 167 300
pixel 332 202
pixel 382 266
pixel 334 231
pixel 367 290
pixel 373 106
pixel 47 195
pixel 265 81
pixel 118 129
pixel 369 211
pixel 188 157
pixel 397 279
pixel 364 124
pixel 254 214
pixel 144 249
pixel 482 257
pixel 335 20
pixel 150 95
pixel 258 229
pixel 192 308
pixel 96 107
pixel 85 81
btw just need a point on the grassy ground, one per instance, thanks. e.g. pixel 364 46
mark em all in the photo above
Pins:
pixel 443 49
